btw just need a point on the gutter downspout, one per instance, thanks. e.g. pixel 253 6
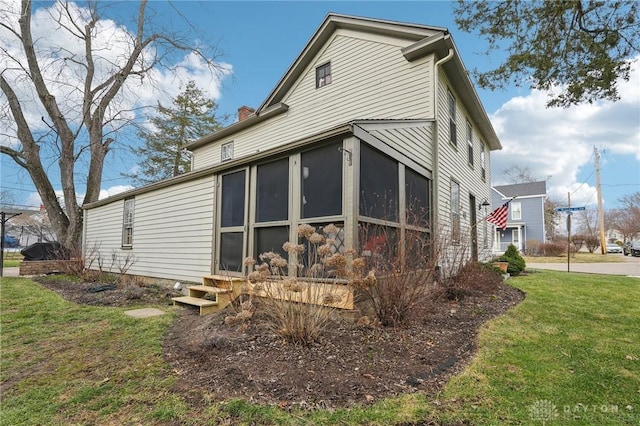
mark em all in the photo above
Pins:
pixel 436 141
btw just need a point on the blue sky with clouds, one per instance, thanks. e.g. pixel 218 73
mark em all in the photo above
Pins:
pixel 260 40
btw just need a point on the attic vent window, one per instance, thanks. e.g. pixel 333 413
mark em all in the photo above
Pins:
pixel 323 75
pixel 227 151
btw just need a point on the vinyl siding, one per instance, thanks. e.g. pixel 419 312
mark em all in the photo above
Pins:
pixel 370 79
pixel 453 163
pixel 172 233
pixel 414 142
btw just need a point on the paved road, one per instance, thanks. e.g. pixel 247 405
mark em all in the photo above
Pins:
pixel 630 267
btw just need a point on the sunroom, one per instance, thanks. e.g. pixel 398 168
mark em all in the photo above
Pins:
pixel 367 183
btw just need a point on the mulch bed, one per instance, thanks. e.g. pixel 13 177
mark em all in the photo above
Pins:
pixel 351 364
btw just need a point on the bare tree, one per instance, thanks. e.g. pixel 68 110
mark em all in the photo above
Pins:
pixel 626 219
pixel 75 135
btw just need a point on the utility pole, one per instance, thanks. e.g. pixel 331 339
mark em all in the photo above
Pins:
pixel 603 243
pixel 569 232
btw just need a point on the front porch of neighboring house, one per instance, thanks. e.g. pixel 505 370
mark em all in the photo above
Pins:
pixel 514 234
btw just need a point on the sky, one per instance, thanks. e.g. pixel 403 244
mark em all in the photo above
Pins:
pixel 258 41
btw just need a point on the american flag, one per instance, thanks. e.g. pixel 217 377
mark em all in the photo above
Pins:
pixel 499 216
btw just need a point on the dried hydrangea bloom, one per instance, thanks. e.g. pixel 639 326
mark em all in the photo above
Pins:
pixel 249 261
pixel 278 262
pixel 254 277
pixel 263 267
pixel 305 230
pixel 337 261
pixel 316 269
pixel 325 250
pixel 316 238
pixel 331 229
pixel 350 252
pixel 292 285
pixel 266 256
pixel 291 248
pixel 358 263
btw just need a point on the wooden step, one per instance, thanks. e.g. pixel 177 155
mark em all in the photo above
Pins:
pixel 206 306
pixel 222 281
pixel 209 289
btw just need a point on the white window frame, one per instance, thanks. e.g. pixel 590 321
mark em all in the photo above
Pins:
pixel 453 126
pixel 483 163
pixel 128 212
pixel 226 151
pixel 470 143
pixel 456 208
pixel 326 79
pixel 516 210
pixel 515 237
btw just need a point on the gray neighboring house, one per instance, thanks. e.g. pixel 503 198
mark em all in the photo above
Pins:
pixel 525 222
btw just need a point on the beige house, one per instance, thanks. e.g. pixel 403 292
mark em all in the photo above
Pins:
pixel 374 119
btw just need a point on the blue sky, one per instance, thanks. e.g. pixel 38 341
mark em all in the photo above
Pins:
pixel 260 40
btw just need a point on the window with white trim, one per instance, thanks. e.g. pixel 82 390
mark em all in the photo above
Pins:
pixel 483 163
pixel 226 151
pixel 453 129
pixel 323 75
pixel 127 222
pixel 455 211
pixel 516 210
pixel 470 142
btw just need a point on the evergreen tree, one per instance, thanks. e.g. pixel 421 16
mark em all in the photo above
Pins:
pixel 190 117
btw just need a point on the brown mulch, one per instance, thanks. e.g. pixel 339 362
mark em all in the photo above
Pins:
pixel 350 364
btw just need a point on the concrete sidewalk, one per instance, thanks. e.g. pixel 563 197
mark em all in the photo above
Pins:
pixel 630 267
pixel 11 272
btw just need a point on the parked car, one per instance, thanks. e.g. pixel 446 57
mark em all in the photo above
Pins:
pixel 613 248
pixel 631 248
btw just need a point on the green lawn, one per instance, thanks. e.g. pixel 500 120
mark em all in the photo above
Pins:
pixel 11 259
pixel 569 354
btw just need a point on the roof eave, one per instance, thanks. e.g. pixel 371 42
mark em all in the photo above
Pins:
pixel 439 44
pixel 252 120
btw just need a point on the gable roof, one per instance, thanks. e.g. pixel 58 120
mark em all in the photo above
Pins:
pixel 523 189
pixel 424 40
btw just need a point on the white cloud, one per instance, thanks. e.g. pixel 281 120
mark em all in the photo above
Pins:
pixel 34 200
pixel 559 143
pixel 59 52
pixel 117 189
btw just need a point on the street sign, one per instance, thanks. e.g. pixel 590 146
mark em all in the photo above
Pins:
pixel 570 209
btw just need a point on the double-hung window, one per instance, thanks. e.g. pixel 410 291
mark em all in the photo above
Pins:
pixel 470 143
pixel 323 75
pixel 127 222
pixel 453 130
pixel 516 210
pixel 455 211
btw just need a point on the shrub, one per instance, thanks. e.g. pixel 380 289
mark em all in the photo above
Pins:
pixel 592 243
pixel 554 248
pixel 533 248
pixel 473 278
pixel 399 280
pixel 516 262
pixel 295 306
